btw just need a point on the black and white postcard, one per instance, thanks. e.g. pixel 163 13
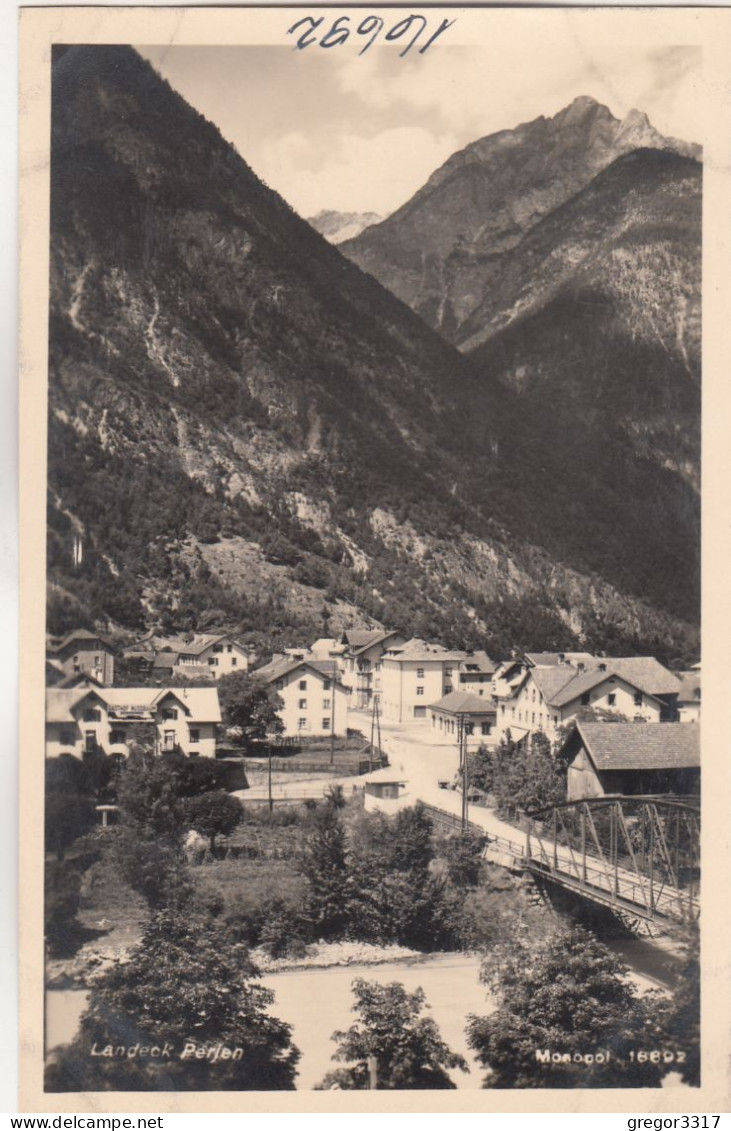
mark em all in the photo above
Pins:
pixel 364 360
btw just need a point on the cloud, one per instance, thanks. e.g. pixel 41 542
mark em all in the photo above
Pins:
pixel 361 174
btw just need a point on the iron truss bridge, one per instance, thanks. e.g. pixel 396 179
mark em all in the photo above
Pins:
pixel 636 855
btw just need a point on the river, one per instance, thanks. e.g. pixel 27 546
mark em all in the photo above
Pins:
pixel 316 1002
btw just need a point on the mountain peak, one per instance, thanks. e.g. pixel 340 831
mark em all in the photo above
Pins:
pixel 583 106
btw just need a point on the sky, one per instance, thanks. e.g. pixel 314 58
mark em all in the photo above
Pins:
pixel 362 134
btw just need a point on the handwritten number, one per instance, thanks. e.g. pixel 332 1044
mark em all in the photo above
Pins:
pixel 401 28
pixel 374 22
pixel 303 41
pixel 442 28
pixel 337 34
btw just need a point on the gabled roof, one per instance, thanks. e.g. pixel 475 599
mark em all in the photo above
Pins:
pixel 477 662
pixel 200 703
pixel 357 638
pixel 284 665
pixel 463 703
pixel 641 746
pixel 77 679
pixel 416 649
pixel 646 673
pixel 82 635
pixel 550 659
pixel 61 701
pixel 561 684
pixel 550 680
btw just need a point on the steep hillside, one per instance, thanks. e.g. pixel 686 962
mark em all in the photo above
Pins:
pixel 435 252
pixel 220 376
pixel 595 316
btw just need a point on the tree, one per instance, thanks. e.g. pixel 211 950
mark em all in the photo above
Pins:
pixel 251 705
pixel 185 987
pixel 567 996
pixel 407 1048
pixel 680 1020
pixel 70 803
pixel 394 896
pixel 324 863
pixel 214 814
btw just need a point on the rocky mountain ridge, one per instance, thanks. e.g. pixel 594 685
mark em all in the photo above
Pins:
pixel 226 390
pixel 339 226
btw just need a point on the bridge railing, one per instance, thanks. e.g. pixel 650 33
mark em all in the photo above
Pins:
pixel 641 851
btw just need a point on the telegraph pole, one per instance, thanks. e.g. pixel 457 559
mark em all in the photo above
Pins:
pixel 332 718
pixel 373 729
pixel 462 732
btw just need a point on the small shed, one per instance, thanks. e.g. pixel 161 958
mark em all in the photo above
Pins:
pixel 632 759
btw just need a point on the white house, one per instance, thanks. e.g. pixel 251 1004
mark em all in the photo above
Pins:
pixel 314 698
pixel 84 719
pixel 415 674
pixel 363 661
pixel 79 653
pixel 201 656
pixel 533 696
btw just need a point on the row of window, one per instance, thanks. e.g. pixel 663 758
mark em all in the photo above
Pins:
pixel 302 723
pixel 119 738
pixel 447 673
pixel 325 704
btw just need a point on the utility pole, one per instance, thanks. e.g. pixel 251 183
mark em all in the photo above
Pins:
pixel 373 728
pixel 332 719
pixel 462 735
pixel 378 728
pixel 269 776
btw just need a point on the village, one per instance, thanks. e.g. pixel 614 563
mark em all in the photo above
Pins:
pixel 624 725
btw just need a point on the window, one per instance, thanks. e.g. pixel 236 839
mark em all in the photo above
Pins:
pixel 327 685
pixel 585 699
pixel 303 685
pixel 485 728
pixel 301 724
pixel 448 673
pixel 447 688
pixel 326 704
pixel 218 647
pixel 169 713
pixel 92 715
pixel 195 735
pixel 302 704
pixel 66 738
pixel 378 665
pixel 90 740
pixel 611 698
pixel 419 712
pixel 279 684
pixel 117 737
pixel 169 740
pixel 229 647
pixel 469 728
pixel 638 698
pixel 419 673
pixel 533 717
pixel 602 667
pixel 325 723
pixel 420 690
pixel 534 695
pixel 97 661
pixel 213 662
pixel 502 708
